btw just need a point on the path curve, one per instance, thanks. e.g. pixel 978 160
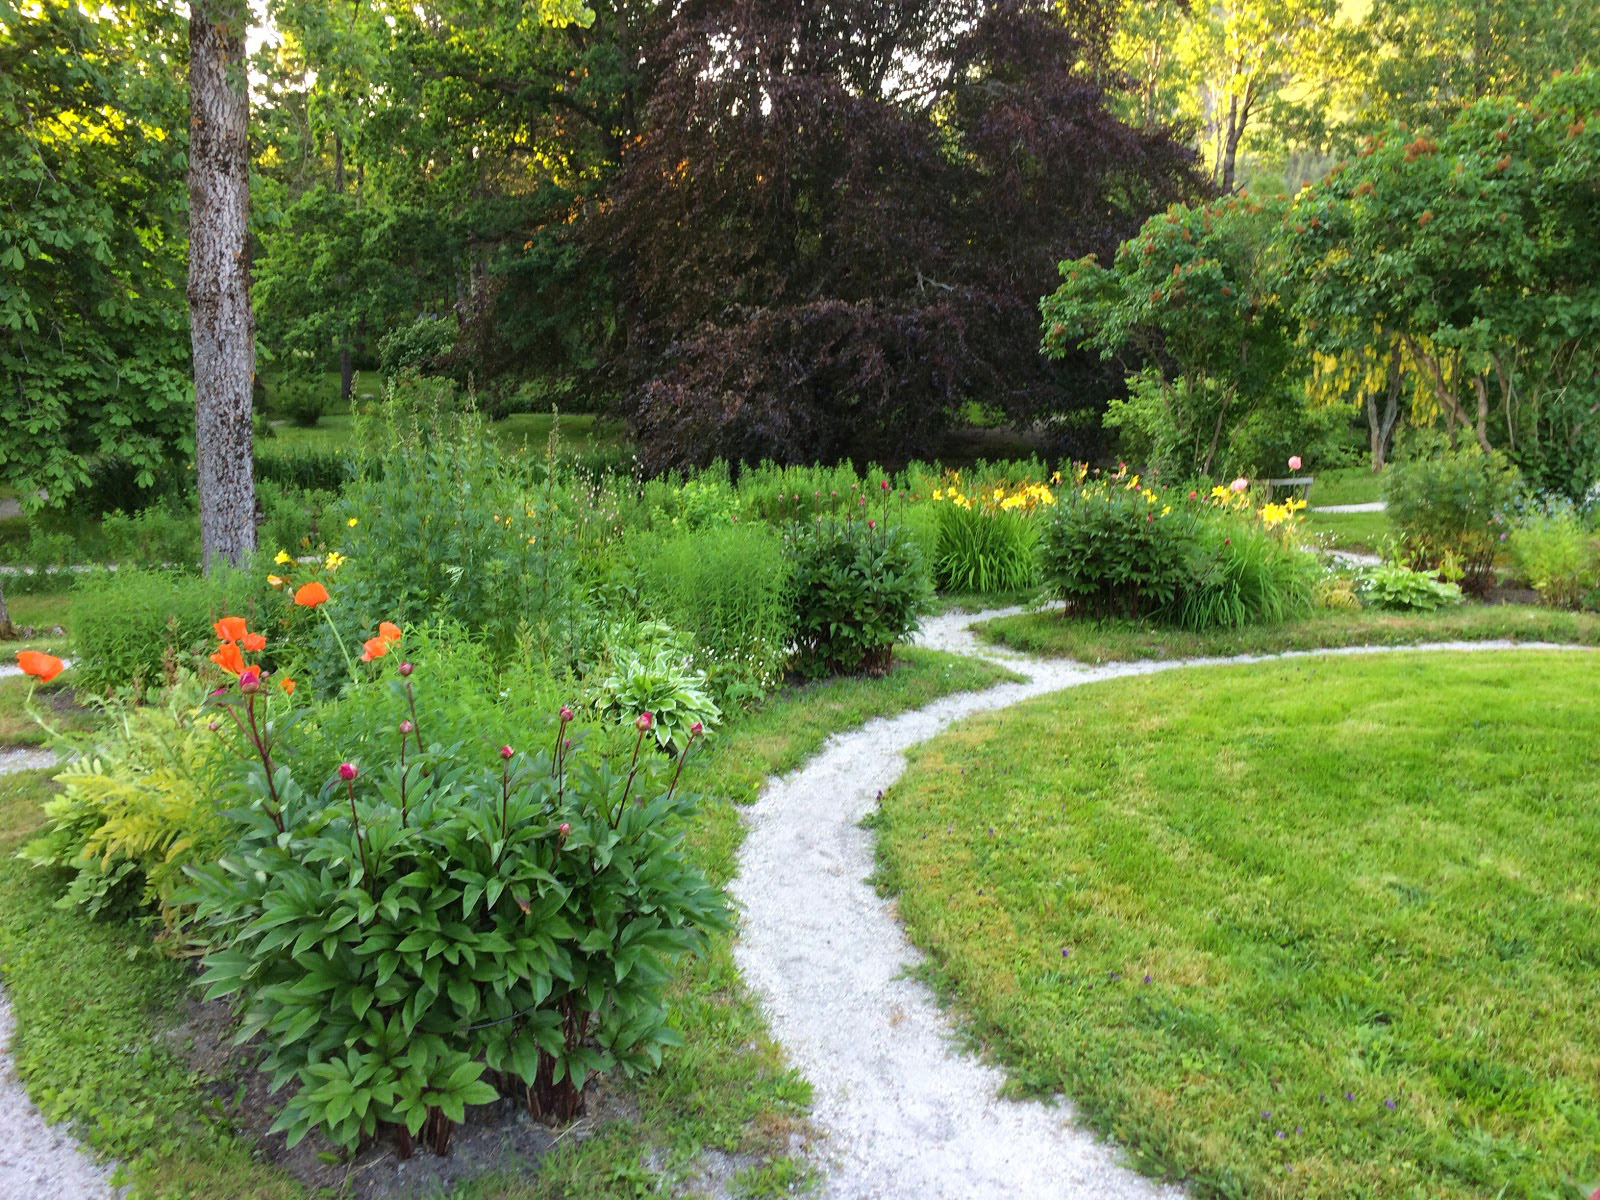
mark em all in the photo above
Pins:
pixel 908 1116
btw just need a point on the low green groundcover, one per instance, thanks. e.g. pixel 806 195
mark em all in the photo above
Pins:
pixel 1323 928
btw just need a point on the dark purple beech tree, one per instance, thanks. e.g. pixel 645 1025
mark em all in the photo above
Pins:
pixel 837 220
pixel 222 327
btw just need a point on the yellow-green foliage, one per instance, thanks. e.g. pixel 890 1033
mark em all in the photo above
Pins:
pixel 138 808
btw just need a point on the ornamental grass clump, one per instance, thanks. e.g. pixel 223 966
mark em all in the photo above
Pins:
pixel 440 922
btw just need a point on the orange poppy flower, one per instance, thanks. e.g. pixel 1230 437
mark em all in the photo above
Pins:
pixel 43 667
pixel 229 629
pixel 310 595
pixel 287 685
pixel 389 631
pixel 373 648
pixel 228 658
pixel 253 643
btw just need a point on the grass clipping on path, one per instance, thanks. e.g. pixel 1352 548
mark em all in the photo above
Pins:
pixel 1313 929
pixel 1051 635
pixel 93 998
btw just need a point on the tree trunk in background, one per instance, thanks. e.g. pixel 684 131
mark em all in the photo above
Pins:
pixel 222 328
pixel 6 631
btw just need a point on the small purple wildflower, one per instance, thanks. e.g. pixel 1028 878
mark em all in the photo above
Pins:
pixel 1389 1104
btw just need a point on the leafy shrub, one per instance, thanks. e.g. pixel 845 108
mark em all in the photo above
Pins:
pixel 988 538
pixel 656 676
pixel 859 585
pixel 1245 575
pixel 416 347
pixel 1402 589
pixel 1111 551
pixel 137 806
pixel 1557 556
pixel 134 627
pixel 730 587
pixel 425 930
pixel 1449 510
pixel 301 399
pixel 294 517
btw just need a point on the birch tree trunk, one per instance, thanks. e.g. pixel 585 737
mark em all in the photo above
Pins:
pixel 222 328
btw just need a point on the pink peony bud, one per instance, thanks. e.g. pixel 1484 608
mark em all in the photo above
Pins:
pixel 347 771
pixel 213 727
pixel 696 729
pixel 872 524
pixel 506 752
pixel 250 680
pixel 407 727
pixel 884 486
pixel 406 668
pixel 1294 462
pixel 566 714
pixel 565 830
pixel 645 722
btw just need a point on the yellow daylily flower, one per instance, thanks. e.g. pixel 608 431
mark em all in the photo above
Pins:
pixel 282 558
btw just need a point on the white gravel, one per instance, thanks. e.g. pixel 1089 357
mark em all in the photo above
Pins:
pixel 908 1116
pixel 1370 506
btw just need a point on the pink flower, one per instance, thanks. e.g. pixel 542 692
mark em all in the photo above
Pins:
pixel 407 727
pixel 565 829
pixel 406 668
pixel 347 771
pixel 645 722
pixel 506 752
pixel 1240 484
pixel 566 714
pixel 696 729
pixel 250 680
pixel 884 485
pixel 1294 462
pixel 872 524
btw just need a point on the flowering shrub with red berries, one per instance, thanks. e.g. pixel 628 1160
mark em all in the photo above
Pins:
pixel 439 922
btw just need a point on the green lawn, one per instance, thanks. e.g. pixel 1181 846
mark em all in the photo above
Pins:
pixel 1050 634
pixel 1310 930
pixel 40 610
pixel 1364 532
pixel 1346 485
pixel 92 997
pixel 579 431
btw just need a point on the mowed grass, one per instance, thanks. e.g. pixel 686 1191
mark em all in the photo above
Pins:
pixel 1050 634
pixel 1315 929
pixel 93 998
pixel 1361 532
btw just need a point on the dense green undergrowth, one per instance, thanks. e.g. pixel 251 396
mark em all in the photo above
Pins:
pixel 1238 917
pixel 92 999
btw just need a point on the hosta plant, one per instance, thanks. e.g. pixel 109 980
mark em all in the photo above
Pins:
pixel 439 924
pixel 656 676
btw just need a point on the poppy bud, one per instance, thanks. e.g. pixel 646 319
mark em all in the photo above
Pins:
pixel 566 714
pixel 645 722
pixel 347 771
pixel 407 727
pixel 405 668
pixel 506 752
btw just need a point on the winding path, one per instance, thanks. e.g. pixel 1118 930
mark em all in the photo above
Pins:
pixel 908 1116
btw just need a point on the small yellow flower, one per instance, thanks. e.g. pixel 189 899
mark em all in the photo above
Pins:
pixel 351 522
pixel 334 561
pixel 938 494
pixel 282 558
pixel 1166 510
pixel 274 581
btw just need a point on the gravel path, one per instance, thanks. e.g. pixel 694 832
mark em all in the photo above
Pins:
pixel 38 1161
pixel 908 1116
pixel 1370 506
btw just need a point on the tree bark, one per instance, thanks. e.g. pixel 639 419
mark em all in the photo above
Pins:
pixel 222 327
pixel 6 629
pixel 1380 427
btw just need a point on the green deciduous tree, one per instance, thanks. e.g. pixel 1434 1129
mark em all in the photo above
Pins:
pixel 93 349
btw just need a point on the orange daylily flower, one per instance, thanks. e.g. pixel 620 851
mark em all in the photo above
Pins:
pixel 229 629
pixel 389 631
pixel 373 648
pixel 310 595
pixel 229 659
pixel 287 685
pixel 253 643
pixel 43 667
